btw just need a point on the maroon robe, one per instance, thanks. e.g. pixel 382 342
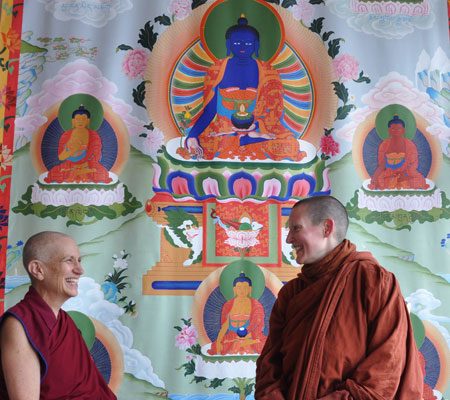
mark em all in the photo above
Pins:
pixel 67 368
pixel 340 331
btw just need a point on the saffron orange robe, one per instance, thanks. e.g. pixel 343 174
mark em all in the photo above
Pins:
pixel 340 331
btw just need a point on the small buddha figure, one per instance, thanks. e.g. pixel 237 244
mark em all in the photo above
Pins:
pixel 79 153
pixel 242 322
pixel 397 161
pixel 243 106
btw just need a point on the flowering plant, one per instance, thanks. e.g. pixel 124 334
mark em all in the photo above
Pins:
pixel 346 67
pixel 135 63
pixel 115 282
pixel 328 146
pixel 180 9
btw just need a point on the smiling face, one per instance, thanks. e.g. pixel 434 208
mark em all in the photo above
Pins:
pixel 311 242
pixel 60 272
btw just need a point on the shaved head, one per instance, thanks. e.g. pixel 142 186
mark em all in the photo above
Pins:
pixel 41 246
pixel 320 208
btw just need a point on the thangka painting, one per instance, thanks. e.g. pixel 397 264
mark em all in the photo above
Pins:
pixel 171 138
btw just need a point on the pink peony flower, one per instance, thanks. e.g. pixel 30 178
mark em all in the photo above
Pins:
pixel 153 142
pixel 135 62
pixel 186 338
pixel 346 67
pixel 303 11
pixel 180 8
pixel 329 146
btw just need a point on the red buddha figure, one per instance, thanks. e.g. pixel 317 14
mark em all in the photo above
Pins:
pixel 242 322
pixel 397 161
pixel 80 152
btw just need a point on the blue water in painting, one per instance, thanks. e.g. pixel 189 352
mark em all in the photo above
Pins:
pixel 11 282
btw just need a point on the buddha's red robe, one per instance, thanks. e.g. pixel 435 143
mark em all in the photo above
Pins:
pixel 90 168
pixel 340 331
pixel 67 368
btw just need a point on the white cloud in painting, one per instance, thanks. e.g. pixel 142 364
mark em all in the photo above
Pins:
pixel 422 303
pixel 381 25
pixel 395 88
pixel 96 13
pixel 79 76
pixel 91 301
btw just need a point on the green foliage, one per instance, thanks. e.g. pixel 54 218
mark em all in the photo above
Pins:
pixel 215 383
pixel 195 349
pixel 77 213
pixel 344 110
pixel 362 78
pixel 139 94
pixel 317 25
pixel 163 20
pixel 315 2
pixel 334 47
pixel 398 219
pixel 124 47
pixel 341 91
pixel 147 38
pixel 197 3
pixel 288 3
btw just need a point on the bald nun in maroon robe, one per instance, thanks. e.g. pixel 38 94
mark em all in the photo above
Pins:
pixel 341 329
pixel 43 355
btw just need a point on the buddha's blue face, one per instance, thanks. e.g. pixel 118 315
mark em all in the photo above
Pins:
pixel 242 44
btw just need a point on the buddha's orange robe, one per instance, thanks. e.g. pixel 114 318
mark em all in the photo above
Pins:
pixel 340 331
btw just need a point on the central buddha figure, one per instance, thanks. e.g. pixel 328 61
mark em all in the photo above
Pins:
pixel 242 322
pixel 243 106
pixel 79 153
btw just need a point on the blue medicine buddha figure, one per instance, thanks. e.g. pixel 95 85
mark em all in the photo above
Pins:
pixel 243 106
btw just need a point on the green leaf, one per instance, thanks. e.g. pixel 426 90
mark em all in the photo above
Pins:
pixel 197 3
pixel 163 20
pixel 149 126
pixel 118 208
pixel 326 35
pixel 189 368
pixel 124 47
pixel 76 212
pixel 195 349
pixel 139 94
pixel 234 389
pixel 288 3
pixel 343 111
pixel 362 78
pixel 177 328
pixel 317 25
pixel 273 1
pixel 147 38
pixel 249 389
pixel 333 47
pixel 341 91
pixel 316 1
pixel 216 382
pixel 198 379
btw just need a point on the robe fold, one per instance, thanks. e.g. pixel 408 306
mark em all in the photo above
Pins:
pixel 340 331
